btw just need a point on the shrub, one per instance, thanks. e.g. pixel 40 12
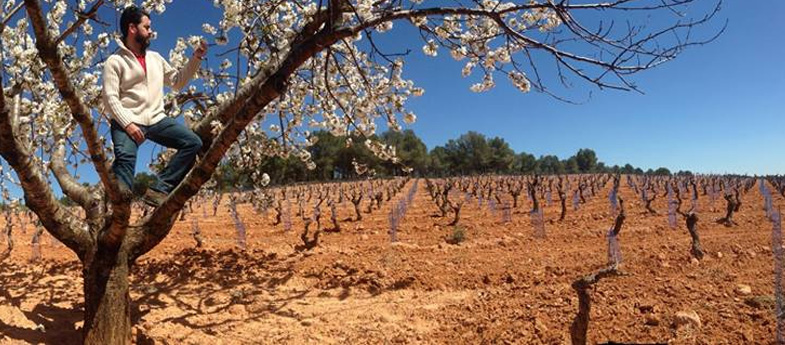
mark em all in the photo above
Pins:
pixel 458 235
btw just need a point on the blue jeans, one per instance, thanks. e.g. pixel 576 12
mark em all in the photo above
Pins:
pixel 166 132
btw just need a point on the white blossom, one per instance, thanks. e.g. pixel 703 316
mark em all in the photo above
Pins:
pixel 520 81
pixel 409 118
pixel 384 27
pixel 209 29
pixel 216 127
pixel 430 48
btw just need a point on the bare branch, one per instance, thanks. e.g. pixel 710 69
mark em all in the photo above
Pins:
pixel 69 185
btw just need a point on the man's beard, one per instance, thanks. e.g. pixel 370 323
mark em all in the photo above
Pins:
pixel 143 42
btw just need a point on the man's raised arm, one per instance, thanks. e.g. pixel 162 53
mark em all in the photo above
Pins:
pixel 178 79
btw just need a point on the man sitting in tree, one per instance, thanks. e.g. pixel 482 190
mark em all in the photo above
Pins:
pixel 133 81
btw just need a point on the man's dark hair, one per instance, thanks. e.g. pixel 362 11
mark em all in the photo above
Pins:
pixel 131 15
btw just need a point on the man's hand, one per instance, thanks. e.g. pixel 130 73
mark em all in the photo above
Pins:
pixel 201 51
pixel 135 133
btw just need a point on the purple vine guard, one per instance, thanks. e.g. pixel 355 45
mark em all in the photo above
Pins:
pixel 398 212
pixel 548 198
pixel 287 216
pixel 538 223
pixel 576 200
pixel 614 251
pixel 671 208
pixel 767 203
pixel 506 212
pixel 776 246
pixel 238 225
pixel 612 199
pixel 394 220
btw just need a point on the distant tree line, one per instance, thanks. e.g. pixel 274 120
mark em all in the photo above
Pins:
pixel 471 153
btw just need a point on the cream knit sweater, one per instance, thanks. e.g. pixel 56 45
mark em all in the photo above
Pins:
pixel 130 96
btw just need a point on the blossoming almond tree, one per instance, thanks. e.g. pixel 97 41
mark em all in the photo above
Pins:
pixel 298 65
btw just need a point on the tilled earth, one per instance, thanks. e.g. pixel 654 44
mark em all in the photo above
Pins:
pixel 501 285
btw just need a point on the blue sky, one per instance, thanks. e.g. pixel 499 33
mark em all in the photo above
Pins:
pixel 715 109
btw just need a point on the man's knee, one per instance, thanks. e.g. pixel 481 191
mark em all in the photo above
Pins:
pixel 194 142
pixel 125 159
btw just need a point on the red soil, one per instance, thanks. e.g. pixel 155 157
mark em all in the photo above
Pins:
pixel 501 285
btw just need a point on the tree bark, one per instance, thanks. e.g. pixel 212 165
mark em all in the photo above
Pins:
pixel 580 325
pixel 732 205
pixel 278 212
pixel 196 232
pixel 107 310
pixel 334 218
pixel 648 204
pixel 563 199
pixel 533 195
pixel 456 208
pixel 696 250
pixel 357 209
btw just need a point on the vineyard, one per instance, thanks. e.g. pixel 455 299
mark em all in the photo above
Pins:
pixel 488 259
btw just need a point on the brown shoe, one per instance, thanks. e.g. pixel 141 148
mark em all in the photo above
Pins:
pixel 153 197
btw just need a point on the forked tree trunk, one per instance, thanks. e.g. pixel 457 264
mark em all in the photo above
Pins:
pixel 535 202
pixel 580 324
pixel 732 205
pixel 456 208
pixel 648 204
pixel 563 206
pixel 515 195
pixel 107 310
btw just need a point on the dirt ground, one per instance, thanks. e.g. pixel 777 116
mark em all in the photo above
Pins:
pixel 500 286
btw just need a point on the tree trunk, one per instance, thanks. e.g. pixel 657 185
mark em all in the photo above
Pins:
pixel 648 205
pixel 456 212
pixel 107 310
pixel 357 210
pixel 535 202
pixel 732 205
pixel 692 221
pixel 580 324
pixel 278 213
